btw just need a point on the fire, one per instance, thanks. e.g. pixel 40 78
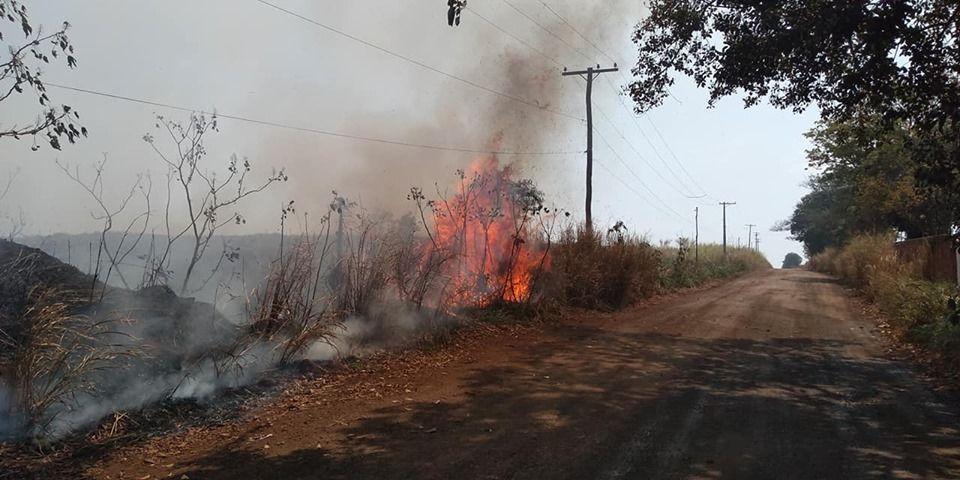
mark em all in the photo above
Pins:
pixel 487 227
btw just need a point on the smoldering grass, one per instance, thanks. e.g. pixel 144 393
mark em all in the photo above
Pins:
pixel 292 308
pixel 58 356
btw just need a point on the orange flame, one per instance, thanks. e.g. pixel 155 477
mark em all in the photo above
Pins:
pixel 486 226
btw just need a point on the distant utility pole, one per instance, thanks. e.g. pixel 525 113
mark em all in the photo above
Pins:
pixel 589 74
pixel 750 235
pixel 696 233
pixel 725 205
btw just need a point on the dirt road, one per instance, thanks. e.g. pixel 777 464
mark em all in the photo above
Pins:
pixel 771 376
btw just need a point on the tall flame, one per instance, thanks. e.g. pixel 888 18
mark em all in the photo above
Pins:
pixel 486 226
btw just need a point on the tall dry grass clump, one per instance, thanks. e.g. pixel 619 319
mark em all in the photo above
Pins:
pixel 592 270
pixel 293 308
pixel 58 354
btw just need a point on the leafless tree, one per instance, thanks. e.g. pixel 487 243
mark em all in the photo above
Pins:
pixel 205 196
pixel 18 223
pixel 132 233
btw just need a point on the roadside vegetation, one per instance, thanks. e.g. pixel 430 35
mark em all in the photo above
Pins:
pixel 869 191
pixel 613 270
pixel 918 310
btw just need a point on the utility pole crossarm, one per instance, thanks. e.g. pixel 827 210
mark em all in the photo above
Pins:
pixel 590 70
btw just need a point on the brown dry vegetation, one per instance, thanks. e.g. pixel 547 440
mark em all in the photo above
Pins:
pixel 918 310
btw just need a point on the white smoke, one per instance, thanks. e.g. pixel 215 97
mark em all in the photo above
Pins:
pixel 139 389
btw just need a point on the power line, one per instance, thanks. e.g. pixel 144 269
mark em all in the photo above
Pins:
pixel 309 130
pixel 419 63
pixel 656 152
pixel 665 143
pixel 630 169
pixel 629 187
pixel 545 29
pixel 564 20
pixel 637 177
pixel 674 155
pixel 518 39
pixel 639 155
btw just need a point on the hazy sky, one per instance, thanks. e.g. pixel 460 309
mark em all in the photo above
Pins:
pixel 243 58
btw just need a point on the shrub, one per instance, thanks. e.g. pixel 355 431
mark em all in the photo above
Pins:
pixel 909 303
pixel 824 261
pixel 792 260
pixel 591 271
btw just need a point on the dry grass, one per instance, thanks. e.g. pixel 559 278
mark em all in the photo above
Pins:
pixel 684 268
pixel 59 354
pixel 292 309
pixel 917 309
pixel 590 270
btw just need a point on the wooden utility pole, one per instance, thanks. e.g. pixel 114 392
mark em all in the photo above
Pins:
pixel 725 205
pixel 750 235
pixel 696 233
pixel 589 74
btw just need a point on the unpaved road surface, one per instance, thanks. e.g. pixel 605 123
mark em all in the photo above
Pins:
pixel 771 376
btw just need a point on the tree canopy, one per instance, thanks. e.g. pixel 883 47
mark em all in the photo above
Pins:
pixel 867 182
pixel 899 58
pixel 792 260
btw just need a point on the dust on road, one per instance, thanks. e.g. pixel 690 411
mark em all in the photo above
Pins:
pixel 773 375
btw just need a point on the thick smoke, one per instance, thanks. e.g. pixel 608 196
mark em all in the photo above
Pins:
pixel 457 115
